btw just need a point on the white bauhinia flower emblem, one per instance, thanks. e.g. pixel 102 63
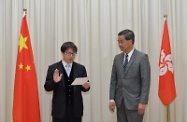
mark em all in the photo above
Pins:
pixel 165 63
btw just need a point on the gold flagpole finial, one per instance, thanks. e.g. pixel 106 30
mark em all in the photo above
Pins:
pixel 25 10
pixel 165 15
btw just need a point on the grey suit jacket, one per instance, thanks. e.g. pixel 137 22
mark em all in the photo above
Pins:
pixel 131 86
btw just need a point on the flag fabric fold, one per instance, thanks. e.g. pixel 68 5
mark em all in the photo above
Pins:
pixel 166 90
pixel 26 100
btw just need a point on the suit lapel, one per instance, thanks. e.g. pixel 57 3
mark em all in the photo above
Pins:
pixel 121 59
pixel 74 68
pixel 132 59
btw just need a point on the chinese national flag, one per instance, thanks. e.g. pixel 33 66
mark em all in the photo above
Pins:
pixel 25 102
pixel 166 90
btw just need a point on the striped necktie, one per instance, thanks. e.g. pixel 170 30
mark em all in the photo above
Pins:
pixel 125 63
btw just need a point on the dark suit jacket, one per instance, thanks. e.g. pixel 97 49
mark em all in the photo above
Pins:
pixel 59 93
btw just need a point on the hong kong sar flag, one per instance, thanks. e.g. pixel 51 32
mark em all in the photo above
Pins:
pixel 166 90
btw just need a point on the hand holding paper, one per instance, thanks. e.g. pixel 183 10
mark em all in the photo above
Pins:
pixel 86 85
pixel 80 81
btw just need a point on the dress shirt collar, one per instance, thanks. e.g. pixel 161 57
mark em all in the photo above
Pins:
pixel 129 54
pixel 65 64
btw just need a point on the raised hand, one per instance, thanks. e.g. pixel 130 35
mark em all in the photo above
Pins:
pixel 56 76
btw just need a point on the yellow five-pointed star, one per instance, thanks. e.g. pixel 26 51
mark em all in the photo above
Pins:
pixel 21 66
pixel 22 43
pixel 28 68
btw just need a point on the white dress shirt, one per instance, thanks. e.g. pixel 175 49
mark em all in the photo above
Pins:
pixel 67 67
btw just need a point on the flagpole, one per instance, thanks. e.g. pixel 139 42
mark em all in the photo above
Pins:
pixel 168 110
pixel 165 16
pixel 168 114
pixel 25 11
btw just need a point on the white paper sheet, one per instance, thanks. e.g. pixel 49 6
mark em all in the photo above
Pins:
pixel 80 81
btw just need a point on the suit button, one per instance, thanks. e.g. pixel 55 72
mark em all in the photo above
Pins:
pixel 68 80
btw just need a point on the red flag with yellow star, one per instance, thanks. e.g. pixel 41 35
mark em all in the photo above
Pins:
pixel 26 101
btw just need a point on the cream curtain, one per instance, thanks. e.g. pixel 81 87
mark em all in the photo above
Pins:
pixel 93 26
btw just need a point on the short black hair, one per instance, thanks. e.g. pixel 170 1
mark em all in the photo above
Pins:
pixel 67 45
pixel 128 35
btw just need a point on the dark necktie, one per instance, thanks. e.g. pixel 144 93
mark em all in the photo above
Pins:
pixel 125 63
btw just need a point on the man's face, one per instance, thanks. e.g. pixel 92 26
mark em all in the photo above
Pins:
pixel 69 55
pixel 124 45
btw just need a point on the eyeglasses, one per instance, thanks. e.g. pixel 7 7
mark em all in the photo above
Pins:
pixel 71 54
pixel 121 41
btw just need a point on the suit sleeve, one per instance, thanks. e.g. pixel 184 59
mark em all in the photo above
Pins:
pixel 85 75
pixel 113 81
pixel 49 83
pixel 145 79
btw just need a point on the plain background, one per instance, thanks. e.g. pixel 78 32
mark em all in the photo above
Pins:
pixel 93 26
